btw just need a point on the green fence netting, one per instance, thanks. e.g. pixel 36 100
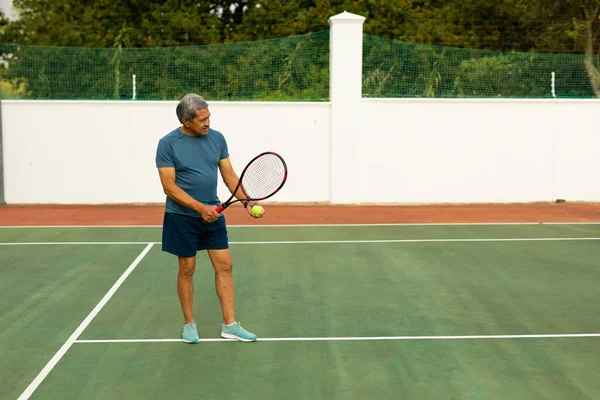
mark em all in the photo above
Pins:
pixel 292 68
pixel 398 69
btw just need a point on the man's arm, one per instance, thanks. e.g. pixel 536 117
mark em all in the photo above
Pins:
pixel 167 178
pixel 230 178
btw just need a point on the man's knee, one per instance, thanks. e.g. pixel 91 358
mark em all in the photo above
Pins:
pixel 187 266
pixel 221 260
pixel 224 266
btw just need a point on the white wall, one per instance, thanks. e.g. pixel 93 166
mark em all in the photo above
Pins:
pixel 436 151
pixel 76 152
pixel 412 151
pixel 577 165
pixel 456 151
pixel 351 150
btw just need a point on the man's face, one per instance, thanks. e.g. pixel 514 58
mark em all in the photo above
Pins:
pixel 200 124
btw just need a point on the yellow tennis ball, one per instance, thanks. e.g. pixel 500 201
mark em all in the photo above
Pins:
pixel 257 210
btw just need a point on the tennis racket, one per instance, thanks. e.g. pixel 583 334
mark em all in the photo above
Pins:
pixel 264 176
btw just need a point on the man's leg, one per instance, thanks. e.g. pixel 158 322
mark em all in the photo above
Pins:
pixel 221 261
pixel 231 329
pixel 185 286
pixel 180 237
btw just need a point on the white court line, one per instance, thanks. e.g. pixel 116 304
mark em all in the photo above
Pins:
pixel 473 240
pixel 363 338
pixel 420 240
pixel 314 225
pixel 72 243
pixel 61 352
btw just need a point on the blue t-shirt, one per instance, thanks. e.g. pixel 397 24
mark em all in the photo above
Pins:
pixel 196 160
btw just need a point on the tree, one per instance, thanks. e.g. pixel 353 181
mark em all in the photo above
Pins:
pixel 96 23
pixel 475 24
pixel 575 28
pixel 506 25
pixel 554 26
pixel 5 35
pixel 590 11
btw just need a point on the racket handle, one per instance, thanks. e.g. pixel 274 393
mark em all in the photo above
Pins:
pixel 218 210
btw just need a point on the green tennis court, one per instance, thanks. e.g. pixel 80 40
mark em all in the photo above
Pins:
pixel 342 312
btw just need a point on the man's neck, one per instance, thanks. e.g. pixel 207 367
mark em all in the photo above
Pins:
pixel 186 131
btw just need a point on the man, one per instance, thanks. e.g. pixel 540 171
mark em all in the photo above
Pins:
pixel 187 160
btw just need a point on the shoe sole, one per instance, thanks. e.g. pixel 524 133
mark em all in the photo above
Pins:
pixel 230 336
pixel 190 342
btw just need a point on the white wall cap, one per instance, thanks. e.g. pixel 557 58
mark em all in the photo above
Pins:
pixel 347 18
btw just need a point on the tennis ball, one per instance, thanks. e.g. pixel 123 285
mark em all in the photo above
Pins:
pixel 257 210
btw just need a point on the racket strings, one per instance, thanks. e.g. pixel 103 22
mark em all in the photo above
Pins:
pixel 263 177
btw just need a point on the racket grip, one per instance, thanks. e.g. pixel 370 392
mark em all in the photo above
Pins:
pixel 218 210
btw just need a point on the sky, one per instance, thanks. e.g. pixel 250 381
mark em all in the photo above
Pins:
pixel 6 6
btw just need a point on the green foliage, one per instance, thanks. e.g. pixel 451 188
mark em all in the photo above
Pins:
pixel 374 81
pixel 95 23
pixel 220 48
pixel 293 68
pixel 506 25
pixel 121 40
pixel 412 70
pixel 14 89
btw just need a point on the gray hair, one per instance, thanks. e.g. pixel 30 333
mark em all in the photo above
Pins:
pixel 188 105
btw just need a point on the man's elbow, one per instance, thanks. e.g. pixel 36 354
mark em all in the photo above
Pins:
pixel 167 190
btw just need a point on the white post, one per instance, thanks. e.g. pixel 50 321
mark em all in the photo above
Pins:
pixel 133 82
pixel 553 85
pixel 345 93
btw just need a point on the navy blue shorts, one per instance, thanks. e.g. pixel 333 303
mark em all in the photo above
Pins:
pixel 184 235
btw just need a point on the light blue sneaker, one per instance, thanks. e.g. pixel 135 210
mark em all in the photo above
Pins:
pixel 235 331
pixel 190 333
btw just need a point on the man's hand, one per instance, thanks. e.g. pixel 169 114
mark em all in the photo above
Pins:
pixel 249 209
pixel 208 213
